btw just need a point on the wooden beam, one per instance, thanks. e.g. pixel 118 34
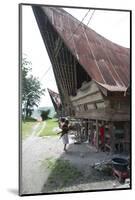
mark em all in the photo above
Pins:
pixel 45 38
pixel 67 57
pixel 90 89
pixel 102 114
pixel 73 42
pixel 58 46
pixel 58 74
pixel 54 63
pixel 65 77
pixel 112 138
pixel 97 135
pixel 89 98
pixel 91 130
pixel 75 74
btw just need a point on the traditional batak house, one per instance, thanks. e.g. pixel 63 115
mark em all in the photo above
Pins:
pixel 92 75
pixel 55 98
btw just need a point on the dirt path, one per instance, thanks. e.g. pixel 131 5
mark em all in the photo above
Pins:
pixel 35 175
pixel 37 129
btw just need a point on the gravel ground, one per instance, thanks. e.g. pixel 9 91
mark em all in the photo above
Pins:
pixel 35 150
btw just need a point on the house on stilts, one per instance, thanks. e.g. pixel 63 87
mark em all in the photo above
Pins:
pixel 55 98
pixel 93 77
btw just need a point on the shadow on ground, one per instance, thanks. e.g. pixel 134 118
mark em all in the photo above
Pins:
pixel 74 171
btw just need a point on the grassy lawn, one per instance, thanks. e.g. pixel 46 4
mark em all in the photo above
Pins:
pixel 62 173
pixel 27 128
pixel 48 130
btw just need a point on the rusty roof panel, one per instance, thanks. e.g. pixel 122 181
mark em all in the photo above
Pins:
pixel 106 73
pixel 113 73
pixel 105 62
pixel 90 66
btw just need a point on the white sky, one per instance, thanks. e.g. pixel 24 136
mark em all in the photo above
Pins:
pixel 110 24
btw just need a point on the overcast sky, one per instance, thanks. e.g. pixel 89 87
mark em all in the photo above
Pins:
pixel 113 25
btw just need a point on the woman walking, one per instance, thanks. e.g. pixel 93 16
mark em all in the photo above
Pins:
pixel 64 134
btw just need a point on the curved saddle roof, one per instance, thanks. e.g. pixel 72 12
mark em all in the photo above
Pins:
pixel 105 62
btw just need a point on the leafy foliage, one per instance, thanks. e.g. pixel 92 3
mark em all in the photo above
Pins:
pixel 44 114
pixel 31 88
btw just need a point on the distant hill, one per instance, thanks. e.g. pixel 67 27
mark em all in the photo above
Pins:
pixel 36 113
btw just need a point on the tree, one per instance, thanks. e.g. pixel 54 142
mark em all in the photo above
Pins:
pixel 44 114
pixel 31 88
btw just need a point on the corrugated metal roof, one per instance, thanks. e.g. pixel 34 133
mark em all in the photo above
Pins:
pixel 106 62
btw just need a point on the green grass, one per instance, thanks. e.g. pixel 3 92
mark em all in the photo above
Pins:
pixel 62 173
pixel 30 119
pixel 27 128
pixel 48 130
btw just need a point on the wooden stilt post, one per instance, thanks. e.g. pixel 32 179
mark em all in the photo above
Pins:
pixel 86 128
pixel 97 135
pixel 112 138
pixel 91 129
